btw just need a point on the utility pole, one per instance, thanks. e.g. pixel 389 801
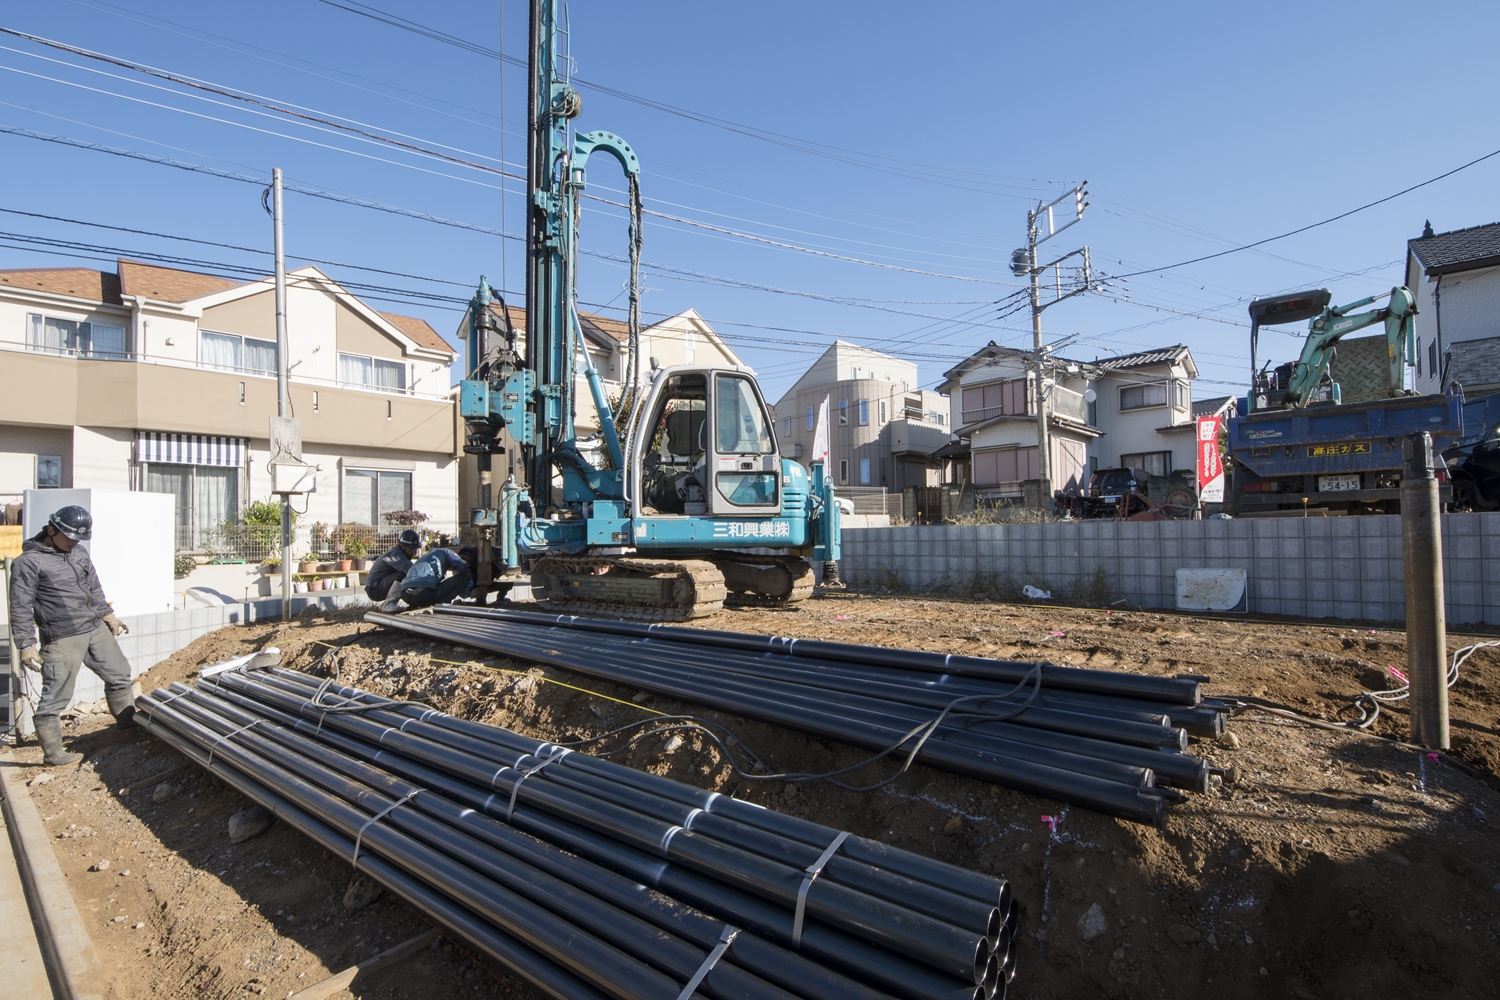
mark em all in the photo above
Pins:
pixel 281 389
pixel 1422 552
pixel 1041 226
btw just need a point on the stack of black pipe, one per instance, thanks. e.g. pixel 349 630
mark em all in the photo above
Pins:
pixel 584 877
pixel 1113 742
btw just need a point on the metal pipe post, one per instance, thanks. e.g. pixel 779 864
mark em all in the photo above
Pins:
pixel 1422 553
pixel 282 401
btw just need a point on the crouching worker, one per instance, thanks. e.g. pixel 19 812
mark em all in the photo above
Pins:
pixel 391 567
pixel 55 591
pixel 436 578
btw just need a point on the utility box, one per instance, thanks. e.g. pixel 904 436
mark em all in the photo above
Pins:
pixel 133 545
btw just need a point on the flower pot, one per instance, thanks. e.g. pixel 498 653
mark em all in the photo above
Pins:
pixel 307 566
pixel 299 587
pixel 315 584
pixel 345 565
pixel 361 564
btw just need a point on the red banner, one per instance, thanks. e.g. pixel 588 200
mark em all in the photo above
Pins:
pixel 1210 465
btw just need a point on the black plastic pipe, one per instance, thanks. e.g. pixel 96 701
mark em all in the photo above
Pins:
pixel 1173 690
pixel 1113 798
pixel 886 969
pixel 959 952
pixel 547 976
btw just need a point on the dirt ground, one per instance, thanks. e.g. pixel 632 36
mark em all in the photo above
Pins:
pixel 1328 865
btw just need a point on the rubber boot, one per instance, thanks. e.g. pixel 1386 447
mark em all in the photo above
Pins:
pixel 392 603
pixel 122 707
pixel 49 735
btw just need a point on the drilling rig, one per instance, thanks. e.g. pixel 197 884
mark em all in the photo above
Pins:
pixel 684 502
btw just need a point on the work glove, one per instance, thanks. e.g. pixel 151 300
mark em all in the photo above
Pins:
pixel 115 625
pixel 31 657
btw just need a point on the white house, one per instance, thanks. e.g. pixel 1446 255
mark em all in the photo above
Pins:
pixel 1456 278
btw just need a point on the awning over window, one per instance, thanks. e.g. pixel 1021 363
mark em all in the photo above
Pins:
pixel 190 449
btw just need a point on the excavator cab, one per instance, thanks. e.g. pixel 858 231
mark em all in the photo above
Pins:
pixel 705 447
pixel 1275 310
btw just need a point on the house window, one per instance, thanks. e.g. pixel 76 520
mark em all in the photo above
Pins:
pixel 49 472
pixel 370 495
pixel 864 472
pixel 1432 365
pixel 207 496
pixel 1137 397
pixel 1094 413
pixel 809 418
pixel 1154 463
pixel 882 411
pixel 51 335
pixel 373 373
pixel 864 412
pixel 786 426
pixel 843 412
pixel 1180 395
pixel 231 352
pixel 796 451
pixel 882 472
pixel 843 471
pixel 933 416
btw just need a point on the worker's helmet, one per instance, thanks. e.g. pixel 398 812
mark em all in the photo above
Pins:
pixel 410 539
pixel 73 521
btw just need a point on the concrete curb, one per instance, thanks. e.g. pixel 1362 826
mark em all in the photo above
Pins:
pixel 20 951
pixel 69 951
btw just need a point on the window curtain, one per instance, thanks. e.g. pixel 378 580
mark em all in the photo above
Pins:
pixel 260 356
pixel 219 350
pixel 359 497
pixel 106 341
pixel 395 492
pixel 215 500
pixel 354 370
pixel 176 480
pixel 390 375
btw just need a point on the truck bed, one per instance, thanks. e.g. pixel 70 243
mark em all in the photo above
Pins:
pixel 1293 448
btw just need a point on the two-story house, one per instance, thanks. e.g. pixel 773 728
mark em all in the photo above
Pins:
pixel 156 379
pixel 882 429
pixel 1133 411
pixel 1456 279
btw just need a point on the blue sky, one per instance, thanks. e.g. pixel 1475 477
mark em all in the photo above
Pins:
pixel 1199 127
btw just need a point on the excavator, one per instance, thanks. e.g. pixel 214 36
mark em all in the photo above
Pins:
pixel 682 502
pixel 1301 446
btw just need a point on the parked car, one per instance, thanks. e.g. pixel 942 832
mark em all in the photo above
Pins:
pixel 1473 463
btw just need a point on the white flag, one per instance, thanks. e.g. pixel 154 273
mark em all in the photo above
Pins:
pixel 820 436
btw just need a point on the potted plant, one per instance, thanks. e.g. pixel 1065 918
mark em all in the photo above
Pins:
pixel 309 564
pixel 316 583
pixel 355 546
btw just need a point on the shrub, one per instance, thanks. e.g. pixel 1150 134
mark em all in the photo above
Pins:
pixel 183 564
pixel 406 518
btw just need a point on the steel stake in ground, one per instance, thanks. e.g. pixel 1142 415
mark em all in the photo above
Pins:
pixel 1426 634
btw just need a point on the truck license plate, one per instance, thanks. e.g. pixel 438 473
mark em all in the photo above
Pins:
pixel 1335 484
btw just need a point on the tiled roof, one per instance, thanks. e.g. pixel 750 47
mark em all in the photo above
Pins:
pixel 1157 356
pixel 1460 250
pixel 166 284
pixel 599 329
pixel 1210 407
pixel 83 282
pixel 1475 362
pixel 420 331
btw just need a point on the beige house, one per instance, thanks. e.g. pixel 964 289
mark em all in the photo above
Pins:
pixel 155 379
pixel 882 427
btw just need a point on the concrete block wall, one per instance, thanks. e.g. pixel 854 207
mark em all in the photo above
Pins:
pixel 1336 567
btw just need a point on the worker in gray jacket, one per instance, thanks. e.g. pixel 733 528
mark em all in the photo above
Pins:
pixel 392 566
pixel 55 591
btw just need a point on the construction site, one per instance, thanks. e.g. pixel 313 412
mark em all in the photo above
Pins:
pixel 602 651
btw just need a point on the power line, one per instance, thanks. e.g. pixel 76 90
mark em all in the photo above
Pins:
pixel 1315 225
